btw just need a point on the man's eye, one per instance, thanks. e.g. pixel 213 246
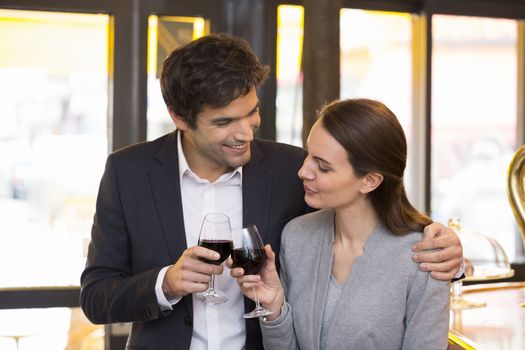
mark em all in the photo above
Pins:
pixel 222 122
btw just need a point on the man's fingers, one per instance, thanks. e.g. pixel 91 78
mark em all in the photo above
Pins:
pixel 203 253
pixel 423 245
pixel 443 276
pixel 201 267
pixel 434 243
pixel 446 266
pixel 437 255
pixel 195 277
pixel 192 259
pixel 451 253
pixel 433 230
pixel 193 287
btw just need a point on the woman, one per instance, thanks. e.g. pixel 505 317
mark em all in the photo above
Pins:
pixel 347 277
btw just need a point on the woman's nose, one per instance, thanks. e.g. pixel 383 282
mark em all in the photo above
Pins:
pixel 304 172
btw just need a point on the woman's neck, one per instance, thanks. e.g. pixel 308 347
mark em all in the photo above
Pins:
pixel 354 225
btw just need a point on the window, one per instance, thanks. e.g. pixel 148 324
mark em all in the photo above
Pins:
pixel 53 143
pixel 474 125
pixel 289 101
pixel 473 122
pixel 376 63
pixel 166 33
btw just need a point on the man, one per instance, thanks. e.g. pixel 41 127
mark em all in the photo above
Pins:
pixel 144 265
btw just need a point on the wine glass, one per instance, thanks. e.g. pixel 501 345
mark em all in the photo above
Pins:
pixel 248 253
pixel 215 234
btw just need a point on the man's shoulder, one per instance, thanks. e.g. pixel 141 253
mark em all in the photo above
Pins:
pixel 279 158
pixel 145 149
pixel 267 145
pixel 279 150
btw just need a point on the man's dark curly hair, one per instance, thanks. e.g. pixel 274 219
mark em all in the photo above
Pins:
pixel 213 71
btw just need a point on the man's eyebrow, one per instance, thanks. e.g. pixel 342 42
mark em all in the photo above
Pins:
pixel 254 109
pixel 220 119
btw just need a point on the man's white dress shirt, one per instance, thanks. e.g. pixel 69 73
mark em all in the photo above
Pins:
pixel 214 326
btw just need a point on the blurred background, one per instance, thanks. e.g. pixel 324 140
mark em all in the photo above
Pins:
pixel 79 79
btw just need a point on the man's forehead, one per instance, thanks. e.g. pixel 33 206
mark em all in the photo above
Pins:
pixel 230 111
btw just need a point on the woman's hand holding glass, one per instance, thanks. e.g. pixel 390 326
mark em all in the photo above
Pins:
pixel 266 286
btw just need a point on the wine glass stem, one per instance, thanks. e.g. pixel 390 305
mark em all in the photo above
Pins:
pixel 212 283
pixel 257 305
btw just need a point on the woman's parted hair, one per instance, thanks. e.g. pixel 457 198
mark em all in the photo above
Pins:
pixel 375 142
pixel 212 70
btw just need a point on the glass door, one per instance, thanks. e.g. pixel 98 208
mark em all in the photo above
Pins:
pixel 53 144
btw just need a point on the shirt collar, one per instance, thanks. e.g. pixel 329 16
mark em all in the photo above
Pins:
pixel 184 168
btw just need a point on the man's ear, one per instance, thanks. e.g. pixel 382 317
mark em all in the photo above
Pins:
pixel 180 123
pixel 371 181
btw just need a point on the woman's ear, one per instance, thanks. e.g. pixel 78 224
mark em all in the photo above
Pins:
pixel 180 123
pixel 371 181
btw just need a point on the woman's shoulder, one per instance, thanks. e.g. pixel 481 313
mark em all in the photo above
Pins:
pixel 308 225
pixel 315 219
pixel 408 238
pixel 398 246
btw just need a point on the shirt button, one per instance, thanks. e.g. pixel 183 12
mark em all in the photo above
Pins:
pixel 187 321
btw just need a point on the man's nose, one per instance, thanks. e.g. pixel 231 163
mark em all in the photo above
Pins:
pixel 245 131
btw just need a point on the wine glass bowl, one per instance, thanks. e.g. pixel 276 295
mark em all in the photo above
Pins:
pixel 250 260
pixel 221 246
pixel 215 234
pixel 248 253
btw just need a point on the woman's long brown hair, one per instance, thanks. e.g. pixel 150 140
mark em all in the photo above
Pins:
pixel 375 142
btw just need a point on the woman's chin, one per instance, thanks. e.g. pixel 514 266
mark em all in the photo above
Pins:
pixel 313 204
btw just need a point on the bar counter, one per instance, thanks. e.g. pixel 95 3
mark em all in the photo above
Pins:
pixel 498 326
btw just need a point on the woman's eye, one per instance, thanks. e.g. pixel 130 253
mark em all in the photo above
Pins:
pixel 323 170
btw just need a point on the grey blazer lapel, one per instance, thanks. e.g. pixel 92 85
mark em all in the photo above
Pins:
pixel 324 273
pixel 256 191
pixel 165 185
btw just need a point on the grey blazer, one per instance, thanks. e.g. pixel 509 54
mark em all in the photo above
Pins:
pixel 386 303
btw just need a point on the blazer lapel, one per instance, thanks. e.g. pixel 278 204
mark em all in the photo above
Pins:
pixel 165 185
pixel 324 272
pixel 256 191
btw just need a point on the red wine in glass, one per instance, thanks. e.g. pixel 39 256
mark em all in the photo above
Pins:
pixel 250 260
pixel 248 253
pixel 215 234
pixel 221 246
